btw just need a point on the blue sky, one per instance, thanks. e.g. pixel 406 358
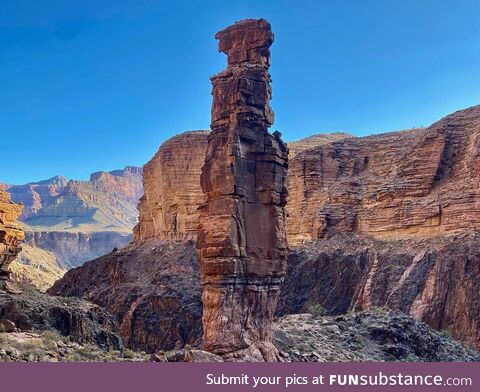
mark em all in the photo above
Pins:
pixel 97 85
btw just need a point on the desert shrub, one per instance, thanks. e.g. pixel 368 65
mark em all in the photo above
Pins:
pixel 52 336
pixel 129 354
pixel 317 310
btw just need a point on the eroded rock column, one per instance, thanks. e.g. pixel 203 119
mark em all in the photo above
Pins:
pixel 10 237
pixel 241 238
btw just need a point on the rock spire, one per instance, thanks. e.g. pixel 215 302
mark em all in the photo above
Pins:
pixel 241 236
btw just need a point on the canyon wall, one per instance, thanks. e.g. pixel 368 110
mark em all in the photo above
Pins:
pixel 389 220
pixel 172 192
pixel 10 236
pixel 72 249
pixel 108 201
pixel 422 182
pixel 79 220
pixel 241 237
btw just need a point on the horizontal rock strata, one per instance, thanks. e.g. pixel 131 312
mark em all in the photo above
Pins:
pixel 241 238
pixel 172 191
pixel 10 235
pixel 417 183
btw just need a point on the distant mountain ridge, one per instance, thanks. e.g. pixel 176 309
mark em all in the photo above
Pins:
pixel 107 202
pixel 75 221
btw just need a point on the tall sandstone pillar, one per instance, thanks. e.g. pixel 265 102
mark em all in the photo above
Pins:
pixel 241 238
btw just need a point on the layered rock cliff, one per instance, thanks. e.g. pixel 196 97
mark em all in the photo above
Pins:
pixel 37 267
pixel 168 209
pixel 10 236
pixel 417 183
pixel 169 206
pixel 80 220
pixel 241 237
pixel 72 249
pixel 108 201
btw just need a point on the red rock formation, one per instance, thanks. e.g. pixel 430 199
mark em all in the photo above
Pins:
pixel 241 239
pixel 422 182
pixel 10 235
pixel 172 191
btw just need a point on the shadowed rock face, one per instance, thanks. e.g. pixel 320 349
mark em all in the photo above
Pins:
pixel 10 235
pixel 152 288
pixel 241 238
pixel 435 280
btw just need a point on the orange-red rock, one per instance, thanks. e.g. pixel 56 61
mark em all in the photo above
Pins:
pixel 422 183
pixel 172 191
pixel 241 238
pixel 10 235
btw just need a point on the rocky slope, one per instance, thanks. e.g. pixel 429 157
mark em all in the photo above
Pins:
pixel 80 220
pixel 162 309
pixel 375 335
pixel 153 289
pixel 30 310
pixel 49 346
pixel 37 267
pixel 432 279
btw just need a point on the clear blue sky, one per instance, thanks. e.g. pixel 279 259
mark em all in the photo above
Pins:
pixel 96 85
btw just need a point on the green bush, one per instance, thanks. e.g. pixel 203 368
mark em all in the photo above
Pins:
pixel 317 310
